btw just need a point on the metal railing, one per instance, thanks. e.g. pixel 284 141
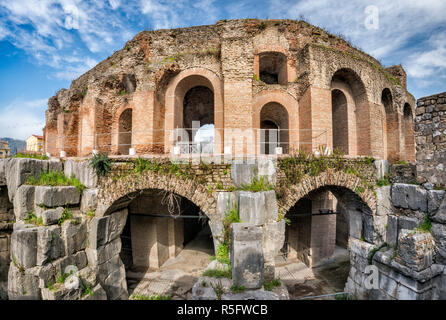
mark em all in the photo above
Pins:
pixel 158 141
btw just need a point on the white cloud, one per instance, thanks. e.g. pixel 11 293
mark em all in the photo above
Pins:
pixel 20 119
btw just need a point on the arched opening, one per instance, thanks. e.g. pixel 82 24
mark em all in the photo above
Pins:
pixel 166 243
pixel 353 111
pixel 273 68
pixel 274 125
pixel 409 139
pixel 316 240
pixel 339 110
pixel 391 135
pixel 125 132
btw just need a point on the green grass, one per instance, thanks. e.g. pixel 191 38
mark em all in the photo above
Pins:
pixel 101 163
pixel 383 182
pixel 237 289
pixel 32 219
pixel 66 215
pixel 270 285
pixel 217 273
pixel 144 297
pixel 257 185
pixel 55 178
pixel 31 156
pixel 425 225
pixel 223 254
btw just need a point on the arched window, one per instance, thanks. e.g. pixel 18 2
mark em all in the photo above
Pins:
pixel 273 68
pixel 125 132
pixel 274 125
pixel 339 121
pixel 409 140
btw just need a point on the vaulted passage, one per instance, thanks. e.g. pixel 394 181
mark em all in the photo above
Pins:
pixel 163 232
pixel 392 137
pixel 409 142
pixel 125 132
pixel 316 240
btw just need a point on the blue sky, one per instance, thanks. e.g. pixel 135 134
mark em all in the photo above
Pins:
pixel 45 44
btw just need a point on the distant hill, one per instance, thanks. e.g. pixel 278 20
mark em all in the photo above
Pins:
pixel 15 145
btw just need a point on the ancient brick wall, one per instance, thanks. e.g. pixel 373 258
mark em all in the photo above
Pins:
pixel 430 136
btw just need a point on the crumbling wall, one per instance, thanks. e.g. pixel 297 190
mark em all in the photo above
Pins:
pixel 430 136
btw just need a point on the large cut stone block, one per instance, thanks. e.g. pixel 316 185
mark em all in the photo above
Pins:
pixel 97 235
pixel 266 169
pixel 112 278
pixel 252 207
pixel 271 207
pixel 434 200
pixel 49 244
pixel 24 247
pixel 51 216
pixel 273 240
pixel 383 205
pixel 439 215
pixel 56 196
pixel 381 168
pixel 83 171
pixel 104 253
pixel 116 224
pixel 74 236
pixel 23 285
pixel 243 173
pixel 24 202
pixel 89 200
pixel 19 169
pixel 415 249
pixel 247 255
pixel 226 202
pixel 439 234
pixel 409 196
pixel 392 230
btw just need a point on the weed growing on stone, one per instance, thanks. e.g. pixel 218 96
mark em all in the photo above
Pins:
pixel 425 225
pixel 54 178
pixel 144 297
pixel 383 182
pixel 101 163
pixel 237 289
pixel 33 219
pixel 257 185
pixel 218 288
pixel 66 215
pixel 270 285
pixel 217 273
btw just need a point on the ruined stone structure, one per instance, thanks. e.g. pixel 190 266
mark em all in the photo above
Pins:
pixel 309 87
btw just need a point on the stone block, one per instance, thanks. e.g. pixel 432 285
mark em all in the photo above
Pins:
pixel 24 202
pixel 267 169
pixel 97 234
pixel 24 247
pixel 82 171
pixel 407 223
pixel 434 200
pixel 226 201
pixel 74 236
pixel 112 278
pixel 360 248
pixel 98 293
pixel 439 234
pixel 381 168
pixel 271 207
pixel 89 200
pixel 247 255
pixel 243 173
pixel 439 215
pixel 56 196
pixel 19 169
pixel 23 285
pixel 252 207
pixel 49 244
pixel 383 205
pixel 392 230
pixel 52 216
pixel 415 249
pixel 116 224
pixel 3 172
pixel 104 253
pixel 409 196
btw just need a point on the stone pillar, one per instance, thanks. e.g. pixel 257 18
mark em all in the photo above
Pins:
pixel 246 255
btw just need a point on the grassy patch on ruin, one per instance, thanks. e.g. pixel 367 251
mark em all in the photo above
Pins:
pixel 237 289
pixel 33 219
pixel 31 156
pixel 218 273
pixel 66 215
pixel 257 185
pixel 54 179
pixel 144 297
pixel 270 285
pixel 425 225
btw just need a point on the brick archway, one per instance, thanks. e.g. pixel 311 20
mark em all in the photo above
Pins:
pixel 329 178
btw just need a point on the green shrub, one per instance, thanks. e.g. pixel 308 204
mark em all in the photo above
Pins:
pixel 237 289
pixel 383 182
pixel 257 185
pixel 270 285
pixel 223 254
pixel 101 163
pixel 217 273
pixel 54 178
pixel 425 225
pixel 32 219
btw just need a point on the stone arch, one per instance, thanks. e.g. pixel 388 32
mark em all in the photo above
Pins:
pixel 115 195
pixel 289 105
pixel 340 121
pixel 175 93
pixel 391 127
pixel 358 115
pixel 408 131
